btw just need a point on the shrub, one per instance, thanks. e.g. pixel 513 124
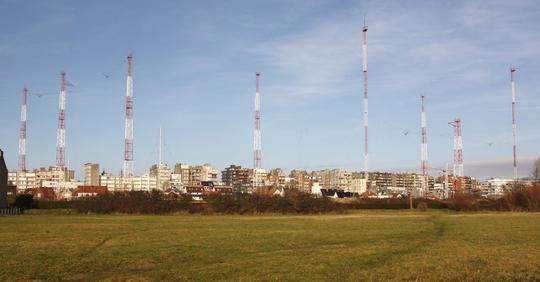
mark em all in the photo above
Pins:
pixel 422 206
pixel 48 205
pixel 155 202
pixel 464 202
pixel 24 201
pixel 134 202
pixel 523 199
pixel 393 203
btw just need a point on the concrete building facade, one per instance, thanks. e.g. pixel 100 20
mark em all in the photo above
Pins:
pixel 238 178
pixel 301 180
pixel 132 183
pixel 23 180
pixel 42 177
pixel 91 174
pixel 193 175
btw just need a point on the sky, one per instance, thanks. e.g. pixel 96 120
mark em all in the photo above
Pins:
pixel 194 65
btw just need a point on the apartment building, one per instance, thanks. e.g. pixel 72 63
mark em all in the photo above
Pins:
pixel 91 174
pixel 238 178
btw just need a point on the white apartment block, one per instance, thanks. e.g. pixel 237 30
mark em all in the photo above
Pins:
pixel 358 185
pixel 334 179
pixel 495 187
pixel 132 183
pixel 54 173
pixel 91 174
pixel 192 175
pixel 162 173
pixel 52 176
pixel 23 180
pixel 61 185
pixel 259 176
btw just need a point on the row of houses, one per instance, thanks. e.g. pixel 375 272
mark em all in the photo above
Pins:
pixel 50 194
pixel 196 192
pixel 241 180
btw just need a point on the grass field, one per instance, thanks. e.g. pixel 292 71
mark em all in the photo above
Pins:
pixel 368 245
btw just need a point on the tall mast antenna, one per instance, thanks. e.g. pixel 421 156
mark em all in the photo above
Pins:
pixel 257 133
pixel 514 141
pixel 458 156
pixel 158 182
pixel 61 132
pixel 424 151
pixel 128 134
pixel 22 132
pixel 365 71
pixel 159 144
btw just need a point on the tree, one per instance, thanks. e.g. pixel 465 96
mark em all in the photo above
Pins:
pixel 24 201
pixel 535 173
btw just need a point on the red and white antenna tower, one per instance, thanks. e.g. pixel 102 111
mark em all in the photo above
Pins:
pixel 514 141
pixel 128 134
pixel 365 71
pixel 61 133
pixel 458 155
pixel 257 133
pixel 22 132
pixel 424 151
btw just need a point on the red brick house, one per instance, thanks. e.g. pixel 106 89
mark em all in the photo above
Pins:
pixel 90 191
pixel 43 193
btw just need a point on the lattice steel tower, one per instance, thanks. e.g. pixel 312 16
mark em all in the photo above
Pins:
pixel 128 134
pixel 514 139
pixel 61 132
pixel 458 155
pixel 22 132
pixel 257 133
pixel 365 72
pixel 424 151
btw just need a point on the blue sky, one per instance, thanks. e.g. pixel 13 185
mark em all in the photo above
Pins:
pixel 194 64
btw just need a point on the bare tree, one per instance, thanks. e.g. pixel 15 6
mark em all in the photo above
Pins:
pixel 535 173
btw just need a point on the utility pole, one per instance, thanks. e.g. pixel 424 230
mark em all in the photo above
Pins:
pixel 159 145
pixel 446 190
pixel 410 200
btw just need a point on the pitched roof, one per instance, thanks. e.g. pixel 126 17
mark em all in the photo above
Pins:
pixel 100 190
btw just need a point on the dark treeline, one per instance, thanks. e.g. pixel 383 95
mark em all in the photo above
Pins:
pixel 393 203
pixel 526 199
pixel 158 203
pixel 521 199
pixel 138 202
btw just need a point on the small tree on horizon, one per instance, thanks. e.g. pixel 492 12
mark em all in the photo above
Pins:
pixel 535 173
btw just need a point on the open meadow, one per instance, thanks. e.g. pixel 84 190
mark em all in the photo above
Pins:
pixel 362 245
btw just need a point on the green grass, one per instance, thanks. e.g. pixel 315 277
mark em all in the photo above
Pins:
pixel 365 245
